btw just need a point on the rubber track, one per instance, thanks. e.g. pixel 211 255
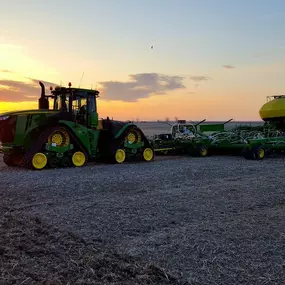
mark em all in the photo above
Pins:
pixel 39 143
pixel 119 141
pixel 8 159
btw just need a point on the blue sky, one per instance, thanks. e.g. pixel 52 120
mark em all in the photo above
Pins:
pixel 109 40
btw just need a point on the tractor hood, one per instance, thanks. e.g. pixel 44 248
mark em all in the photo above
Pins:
pixel 8 121
pixel 26 112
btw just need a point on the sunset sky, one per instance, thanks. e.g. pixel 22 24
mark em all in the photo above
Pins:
pixel 212 59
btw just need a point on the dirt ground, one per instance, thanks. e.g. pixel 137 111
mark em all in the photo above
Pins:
pixel 213 220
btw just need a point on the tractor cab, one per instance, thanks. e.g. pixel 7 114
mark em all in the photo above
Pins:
pixel 79 105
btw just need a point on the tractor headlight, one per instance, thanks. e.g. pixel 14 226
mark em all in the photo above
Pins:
pixel 3 118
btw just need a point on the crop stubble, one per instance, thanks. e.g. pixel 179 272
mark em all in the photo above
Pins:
pixel 213 220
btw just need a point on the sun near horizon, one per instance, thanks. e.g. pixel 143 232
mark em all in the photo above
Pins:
pixel 150 61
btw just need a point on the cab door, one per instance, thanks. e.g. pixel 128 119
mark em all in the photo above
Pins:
pixel 92 119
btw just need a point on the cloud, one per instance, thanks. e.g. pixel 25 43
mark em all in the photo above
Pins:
pixel 198 78
pixel 228 66
pixel 6 71
pixel 139 86
pixel 17 91
pixel 142 85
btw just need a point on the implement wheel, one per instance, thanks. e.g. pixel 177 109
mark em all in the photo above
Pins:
pixel 203 151
pixel 148 154
pixel 259 153
pixel 120 156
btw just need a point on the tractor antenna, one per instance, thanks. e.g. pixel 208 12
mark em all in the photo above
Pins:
pixel 81 79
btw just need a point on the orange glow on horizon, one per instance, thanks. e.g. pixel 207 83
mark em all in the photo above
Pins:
pixel 162 107
pixel 240 102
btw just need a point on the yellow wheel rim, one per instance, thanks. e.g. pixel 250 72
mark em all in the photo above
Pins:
pixel 204 151
pixel 134 136
pixel 78 158
pixel 39 160
pixel 131 138
pixel 120 156
pixel 261 153
pixel 148 154
pixel 59 138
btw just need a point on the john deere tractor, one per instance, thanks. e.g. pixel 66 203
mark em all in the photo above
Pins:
pixel 69 133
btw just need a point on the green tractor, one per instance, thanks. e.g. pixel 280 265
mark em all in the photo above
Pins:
pixel 68 134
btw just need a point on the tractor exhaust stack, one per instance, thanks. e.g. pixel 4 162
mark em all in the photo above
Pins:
pixel 43 100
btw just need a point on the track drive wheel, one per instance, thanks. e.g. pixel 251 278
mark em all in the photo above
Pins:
pixel 79 159
pixel 133 136
pixel 39 161
pixel 59 137
pixel 148 154
pixel 120 156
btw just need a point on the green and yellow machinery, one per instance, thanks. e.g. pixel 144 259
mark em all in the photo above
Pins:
pixel 69 133
pixel 273 111
pixel 203 139
pixel 183 138
pixel 271 136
